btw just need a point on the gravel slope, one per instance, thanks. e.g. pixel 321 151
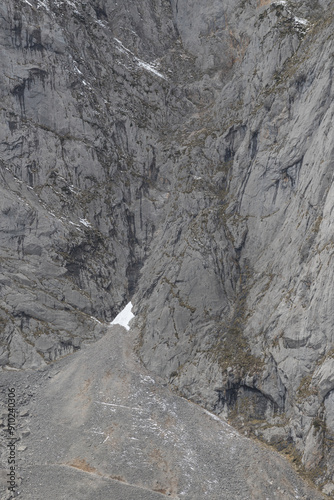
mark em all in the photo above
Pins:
pixel 97 425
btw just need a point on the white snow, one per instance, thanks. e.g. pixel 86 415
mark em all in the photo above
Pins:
pixel 124 317
pixel 299 20
pixel 26 1
pixel 43 4
pixel 122 49
pixel 147 378
pixel 85 222
pixel 229 429
pixel 76 69
pixel 95 319
pixel 215 417
pixel 72 4
pixel 149 67
pixel 116 406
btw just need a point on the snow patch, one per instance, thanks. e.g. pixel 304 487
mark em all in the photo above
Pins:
pixel 299 20
pixel 72 4
pixel 117 406
pixel 85 222
pixel 121 47
pixel 77 70
pixel 73 223
pixel 26 1
pixel 124 317
pixel 229 429
pixel 215 417
pixel 300 23
pixel 148 66
pixel 97 321
pixel 42 4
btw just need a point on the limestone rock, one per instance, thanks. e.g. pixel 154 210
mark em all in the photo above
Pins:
pixel 178 154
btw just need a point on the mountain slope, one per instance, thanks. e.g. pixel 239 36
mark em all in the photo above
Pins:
pixel 97 425
pixel 178 153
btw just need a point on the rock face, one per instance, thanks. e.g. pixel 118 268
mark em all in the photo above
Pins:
pixel 178 153
pixel 97 425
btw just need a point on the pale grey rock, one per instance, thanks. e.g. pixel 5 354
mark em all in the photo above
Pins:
pixel 203 193
pixel 22 355
pixel 314 447
pixel 323 378
pixel 101 425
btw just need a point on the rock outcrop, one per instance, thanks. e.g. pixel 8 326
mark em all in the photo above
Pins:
pixel 178 153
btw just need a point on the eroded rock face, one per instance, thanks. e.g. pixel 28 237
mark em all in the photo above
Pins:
pixel 179 153
pixel 78 162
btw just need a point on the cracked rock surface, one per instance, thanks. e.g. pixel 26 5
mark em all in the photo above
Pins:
pixel 178 154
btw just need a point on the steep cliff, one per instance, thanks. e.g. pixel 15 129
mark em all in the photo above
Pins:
pixel 178 153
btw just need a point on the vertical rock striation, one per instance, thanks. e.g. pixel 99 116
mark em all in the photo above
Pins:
pixel 178 153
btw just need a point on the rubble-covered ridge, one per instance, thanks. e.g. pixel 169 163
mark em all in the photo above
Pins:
pixel 176 154
pixel 97 425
